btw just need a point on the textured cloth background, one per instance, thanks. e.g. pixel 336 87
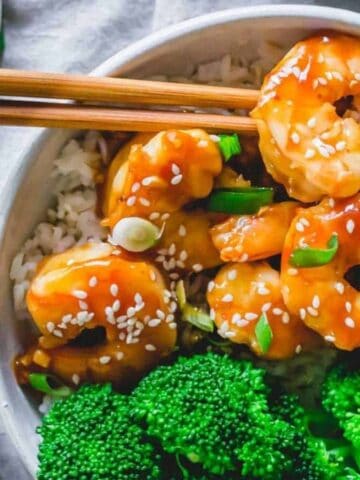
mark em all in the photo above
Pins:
pixel 75 36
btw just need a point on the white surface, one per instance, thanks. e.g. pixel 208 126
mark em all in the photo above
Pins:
pixel 76 35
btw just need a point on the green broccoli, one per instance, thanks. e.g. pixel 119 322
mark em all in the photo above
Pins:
pixel 214 411
pixel 92 435
pixel 341 397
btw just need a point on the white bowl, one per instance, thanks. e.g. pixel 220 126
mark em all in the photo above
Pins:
pixel 24 201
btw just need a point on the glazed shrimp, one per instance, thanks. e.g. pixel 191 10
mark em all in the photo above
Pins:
pixel 172 169
pixel 254 237
pixel 304 143
pixel 240 294
pixel 186 244
pixel 93 286
pixel 324 300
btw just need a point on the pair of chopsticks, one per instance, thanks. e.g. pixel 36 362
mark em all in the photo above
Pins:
pixel 105 90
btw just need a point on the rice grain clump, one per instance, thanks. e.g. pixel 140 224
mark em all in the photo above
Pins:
pixel 71 221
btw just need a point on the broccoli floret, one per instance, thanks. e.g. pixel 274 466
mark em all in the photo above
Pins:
pixel 214 411
pixel 91 435
pixel 341 397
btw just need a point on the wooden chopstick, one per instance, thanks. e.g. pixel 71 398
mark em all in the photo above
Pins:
pixel 56 115
pixel 122 90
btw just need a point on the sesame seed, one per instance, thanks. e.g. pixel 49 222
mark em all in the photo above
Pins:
pixel 236 318
pixel 105 359
pixel 263 291
pixel 250 316
pixel 135 187
pixel 119 355
pixel 295 137
pixel 215 138
pixel 266 307
pixel 144 201
pixel 229 334
pixel 80 294
pixel 310 152
pixel 183 255
pixel 83 305
pixel 130 311
pixel 299 227
pixel 114 289
pixel 349 322
pixel 285 318
pixel 175 169
pixel 152 275
pixel 148 180
pixel 150 348
pixel 203 143
pixel 57 333
pixel 340 145
pixel 154 215
pixel 348 306
pixel 176 180
pixel 170 318
pixel 76 379
pixel 197 267
pixel 244 257
pixel 50 326
pixel 305 222
pixel 212 314
pixel 130 202
pixel 174 275
pixel 160 314
pixel 292 271
pixel 232 274
pixel 70 262
pixel 172 249
pixel 154 322
pixel 122 336
pixel 277 311
pixel 350 226
pixel 182 231
pixel 311 122
pixel 312 311
pixel 340 287
pixel 173 307
pixel 227 298
pixel 298 349
pixel 211 286
pixel 316 301
pixel 329 338
pixel 172 325
pixel 116 306
pixel 165 216
pixel 322 81
pixel 357 76
pixel 331 202
pixel 160 258
pixel 93 281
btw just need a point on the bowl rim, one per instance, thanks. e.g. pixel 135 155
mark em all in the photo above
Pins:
pixel 124 58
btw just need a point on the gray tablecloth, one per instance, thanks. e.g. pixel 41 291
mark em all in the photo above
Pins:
pixel 75 36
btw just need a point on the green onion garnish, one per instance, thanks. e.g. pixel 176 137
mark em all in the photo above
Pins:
pixel 263 333
pixel 40 382
pixel 242 200
pixel 229 146
pixel 315 257
pixel 135 234
pixel 192 314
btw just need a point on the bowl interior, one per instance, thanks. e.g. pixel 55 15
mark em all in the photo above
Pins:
pixel 175 52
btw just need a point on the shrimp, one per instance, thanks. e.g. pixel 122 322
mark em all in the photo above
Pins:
pixel 186 243
pixel 254 237
pixel 95 286
pixel 240 294
pixel 304 143
pixel 325 301
pixel 172 169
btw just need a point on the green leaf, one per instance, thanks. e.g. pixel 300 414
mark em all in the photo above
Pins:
pixel 229 146
pixel 306 257
pixel 198 318
pixel 263 333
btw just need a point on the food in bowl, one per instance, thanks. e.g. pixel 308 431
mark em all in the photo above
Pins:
pixel 198 317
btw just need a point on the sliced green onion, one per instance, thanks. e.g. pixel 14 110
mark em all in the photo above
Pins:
pixel 263 333
pixel 315 257
pixel 135 234
pixel 198 318
pixel 40 382
pixel 244 200
pixel 191 314
pixel 229 146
